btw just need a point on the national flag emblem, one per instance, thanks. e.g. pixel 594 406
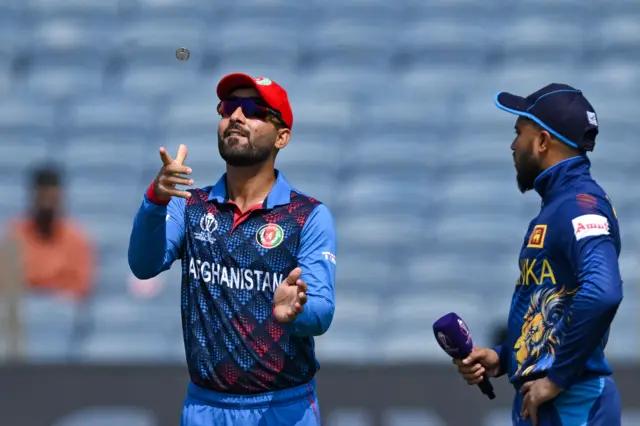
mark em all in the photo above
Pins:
pixel 270 235
pixel 536 240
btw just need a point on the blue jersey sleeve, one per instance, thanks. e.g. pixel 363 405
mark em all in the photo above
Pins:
pixel 503 353
pixel 317 259
pixel 591 249
pixel 157 237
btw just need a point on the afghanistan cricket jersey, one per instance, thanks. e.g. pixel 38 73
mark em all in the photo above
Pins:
pixel 232 262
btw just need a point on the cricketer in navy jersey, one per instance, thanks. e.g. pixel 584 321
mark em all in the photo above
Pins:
pixel 257 280
pixel 570 287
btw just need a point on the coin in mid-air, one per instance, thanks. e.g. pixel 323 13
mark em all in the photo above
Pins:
pixel 182 53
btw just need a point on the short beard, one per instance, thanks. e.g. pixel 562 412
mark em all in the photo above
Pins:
pixel 237 156
pixel 527 170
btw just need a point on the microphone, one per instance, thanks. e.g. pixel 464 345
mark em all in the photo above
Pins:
pixel 454 338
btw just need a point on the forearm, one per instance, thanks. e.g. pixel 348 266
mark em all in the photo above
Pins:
pixel 317 260
pixel 588 317
pixel 503 354
pixel 581 338
pixel 157 235
pixel 147 245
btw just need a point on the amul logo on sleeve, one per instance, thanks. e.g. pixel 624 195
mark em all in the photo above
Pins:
pixel 270 235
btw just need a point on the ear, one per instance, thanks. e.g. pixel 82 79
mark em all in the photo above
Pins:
pixel 282 138
pixel 545 141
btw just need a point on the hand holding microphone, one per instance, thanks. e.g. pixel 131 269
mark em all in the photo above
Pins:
pixel 474 363
pixel 481 361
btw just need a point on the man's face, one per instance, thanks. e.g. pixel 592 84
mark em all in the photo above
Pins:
pixel 245 141
pixel 47 202
pixel 525 153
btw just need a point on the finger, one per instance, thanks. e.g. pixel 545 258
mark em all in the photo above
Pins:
pixel 165 157
pixel 177 193
pixel 473 379
pixel 473 382
pixel 294 276
pixel 302 286
pixel 177 180
pixel 477 368
pixel 302 298
pixel 181 155
pixel 173 169
pixel 534 416
pixel 471 369
pixel 528 406
pixel 526 387
pixel 298 308
pixel 473 372
pixel 524 411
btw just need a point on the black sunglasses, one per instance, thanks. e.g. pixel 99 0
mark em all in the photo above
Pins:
pixel 251 108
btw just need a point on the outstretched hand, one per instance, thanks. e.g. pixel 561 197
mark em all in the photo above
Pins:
pixel 290 297
pixel 172 173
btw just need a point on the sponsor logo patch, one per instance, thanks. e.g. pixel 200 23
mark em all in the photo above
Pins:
pixel 590 225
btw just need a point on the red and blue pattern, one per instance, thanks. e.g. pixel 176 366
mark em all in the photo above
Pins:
pixel 232 341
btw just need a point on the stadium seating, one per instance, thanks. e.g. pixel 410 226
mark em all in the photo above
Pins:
pixel 395 130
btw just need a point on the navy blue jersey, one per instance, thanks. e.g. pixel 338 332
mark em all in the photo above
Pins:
pixel 569 286
pixel 231 266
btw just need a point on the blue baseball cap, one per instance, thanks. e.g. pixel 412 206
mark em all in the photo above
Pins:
pixel 560 109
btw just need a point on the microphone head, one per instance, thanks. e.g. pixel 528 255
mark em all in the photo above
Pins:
pixel 453 335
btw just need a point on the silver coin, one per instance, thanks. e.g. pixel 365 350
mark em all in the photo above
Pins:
pixel 182 53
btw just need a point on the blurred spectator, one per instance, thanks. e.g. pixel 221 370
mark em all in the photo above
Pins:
pixel 55 254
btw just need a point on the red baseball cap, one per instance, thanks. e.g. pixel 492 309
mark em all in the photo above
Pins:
pixel 272 93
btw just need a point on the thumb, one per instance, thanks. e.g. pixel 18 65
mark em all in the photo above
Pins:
pixel 294 276
pixel 475 355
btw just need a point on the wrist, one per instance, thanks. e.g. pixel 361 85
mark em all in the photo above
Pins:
pixel 500 359
pixel 153 197
pixel 273 314
pixel 558 382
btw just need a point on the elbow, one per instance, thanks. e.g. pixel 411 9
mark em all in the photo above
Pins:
pixel 138 269
pixel 142 275
pixel 611 300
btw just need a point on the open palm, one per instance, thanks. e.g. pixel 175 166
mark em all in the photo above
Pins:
pixel 290 297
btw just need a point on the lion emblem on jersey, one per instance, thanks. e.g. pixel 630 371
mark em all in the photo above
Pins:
pixel 535 349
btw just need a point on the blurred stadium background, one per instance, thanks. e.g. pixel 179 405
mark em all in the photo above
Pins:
pixel 395 130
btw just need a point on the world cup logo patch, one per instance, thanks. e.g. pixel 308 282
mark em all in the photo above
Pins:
pixel 270 235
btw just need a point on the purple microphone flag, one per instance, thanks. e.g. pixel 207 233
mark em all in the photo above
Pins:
pixel 453 336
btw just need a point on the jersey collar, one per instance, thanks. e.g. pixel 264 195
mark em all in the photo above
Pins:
pixel 556 177
pixel 280 193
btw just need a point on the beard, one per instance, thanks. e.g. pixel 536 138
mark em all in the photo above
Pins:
pixel 238 154
pixel 527 170
pixel 44 218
